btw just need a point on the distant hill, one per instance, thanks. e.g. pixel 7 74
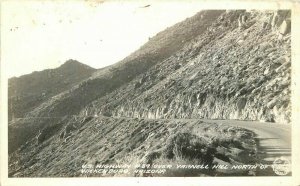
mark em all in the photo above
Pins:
pixel 28 91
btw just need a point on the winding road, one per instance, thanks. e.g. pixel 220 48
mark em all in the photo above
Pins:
pixel 274 140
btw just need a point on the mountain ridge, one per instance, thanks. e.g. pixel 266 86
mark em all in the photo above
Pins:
pixel 70 62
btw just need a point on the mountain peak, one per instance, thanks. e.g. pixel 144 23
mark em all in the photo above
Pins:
pixel 72 62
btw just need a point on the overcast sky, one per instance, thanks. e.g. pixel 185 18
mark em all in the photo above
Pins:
pixel 38 35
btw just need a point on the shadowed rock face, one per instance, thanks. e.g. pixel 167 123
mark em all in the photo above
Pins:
pixel 215 65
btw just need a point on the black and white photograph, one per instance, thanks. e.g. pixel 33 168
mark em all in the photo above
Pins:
pixel 111 89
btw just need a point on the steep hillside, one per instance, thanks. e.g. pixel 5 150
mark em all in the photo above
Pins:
pixel 28 91
pixel 106 80
pixel 146 110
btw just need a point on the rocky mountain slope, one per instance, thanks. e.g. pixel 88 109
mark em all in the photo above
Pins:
pixel 229 72
pixel 216 65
